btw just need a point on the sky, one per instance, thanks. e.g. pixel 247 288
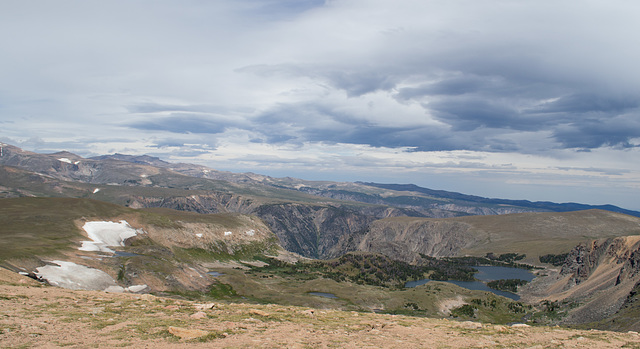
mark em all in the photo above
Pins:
pixel 536 100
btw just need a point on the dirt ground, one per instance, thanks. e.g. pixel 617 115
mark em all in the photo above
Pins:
pixel 36 316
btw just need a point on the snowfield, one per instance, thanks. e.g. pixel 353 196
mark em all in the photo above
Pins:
pixel 68 161
pixel 75 277
pixel 78 277
pixel 105 234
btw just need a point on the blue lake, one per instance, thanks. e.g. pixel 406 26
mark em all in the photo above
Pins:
pixel 486 273
pixel 214 273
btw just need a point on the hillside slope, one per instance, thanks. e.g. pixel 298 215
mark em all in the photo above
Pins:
pixel 533 234
pixel 165 250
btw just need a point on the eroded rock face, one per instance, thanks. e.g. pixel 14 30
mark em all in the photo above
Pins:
pixel 407 238
pixel 599 278
pixel 312 231
pixel 620 253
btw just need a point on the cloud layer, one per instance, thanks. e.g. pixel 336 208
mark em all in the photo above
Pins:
pixel 521 87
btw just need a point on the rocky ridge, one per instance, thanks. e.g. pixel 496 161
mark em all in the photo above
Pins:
pixel 596 280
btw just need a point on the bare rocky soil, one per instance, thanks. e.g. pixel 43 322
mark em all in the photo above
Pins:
pixel 36 316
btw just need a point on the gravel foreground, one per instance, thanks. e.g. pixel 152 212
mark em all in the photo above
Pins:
pixel 35 316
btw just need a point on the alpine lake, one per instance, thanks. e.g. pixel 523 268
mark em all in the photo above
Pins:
pixel 484 275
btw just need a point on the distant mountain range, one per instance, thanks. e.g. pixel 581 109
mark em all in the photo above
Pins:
pixel 316 219
pixel 544 205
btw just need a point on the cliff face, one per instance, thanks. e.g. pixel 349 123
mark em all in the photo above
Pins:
pixel 310 230
pixel 585 259
pixel 322 231
pixel 598 278
pixel 406 238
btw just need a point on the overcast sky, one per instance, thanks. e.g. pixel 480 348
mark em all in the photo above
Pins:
pixel 534 100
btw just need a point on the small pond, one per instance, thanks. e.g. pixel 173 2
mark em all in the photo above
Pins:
pixel 125 254
pixel 486 273
pixel 323 294
pixel 214 273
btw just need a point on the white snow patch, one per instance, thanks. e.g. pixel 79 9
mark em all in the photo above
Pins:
pixel 96 190
pixel 144 175
pixel 199 235
pixel 65 160
pixel 106 234
pixel 251 232
pixel 79 277
pixel 77 162
pixel 120 289
pixel 136 288
pixel 227 233
pixel 76 277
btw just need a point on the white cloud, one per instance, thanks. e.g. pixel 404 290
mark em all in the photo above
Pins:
pixel 344 86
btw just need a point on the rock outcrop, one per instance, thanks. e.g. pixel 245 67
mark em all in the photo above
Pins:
pixel 406 238
pixel 597 279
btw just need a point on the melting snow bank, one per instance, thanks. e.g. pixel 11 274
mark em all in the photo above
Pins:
pixel 78 277
pixel 68 161
pixel 106 234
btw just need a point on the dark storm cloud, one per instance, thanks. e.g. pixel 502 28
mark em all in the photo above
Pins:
pixel 593 133
pixel 581 103
pixel 145 108
pixel 182 123
pixel 452 87
pixel 578 116
pixel 471 114
pixel 319 123
pixel 478 95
